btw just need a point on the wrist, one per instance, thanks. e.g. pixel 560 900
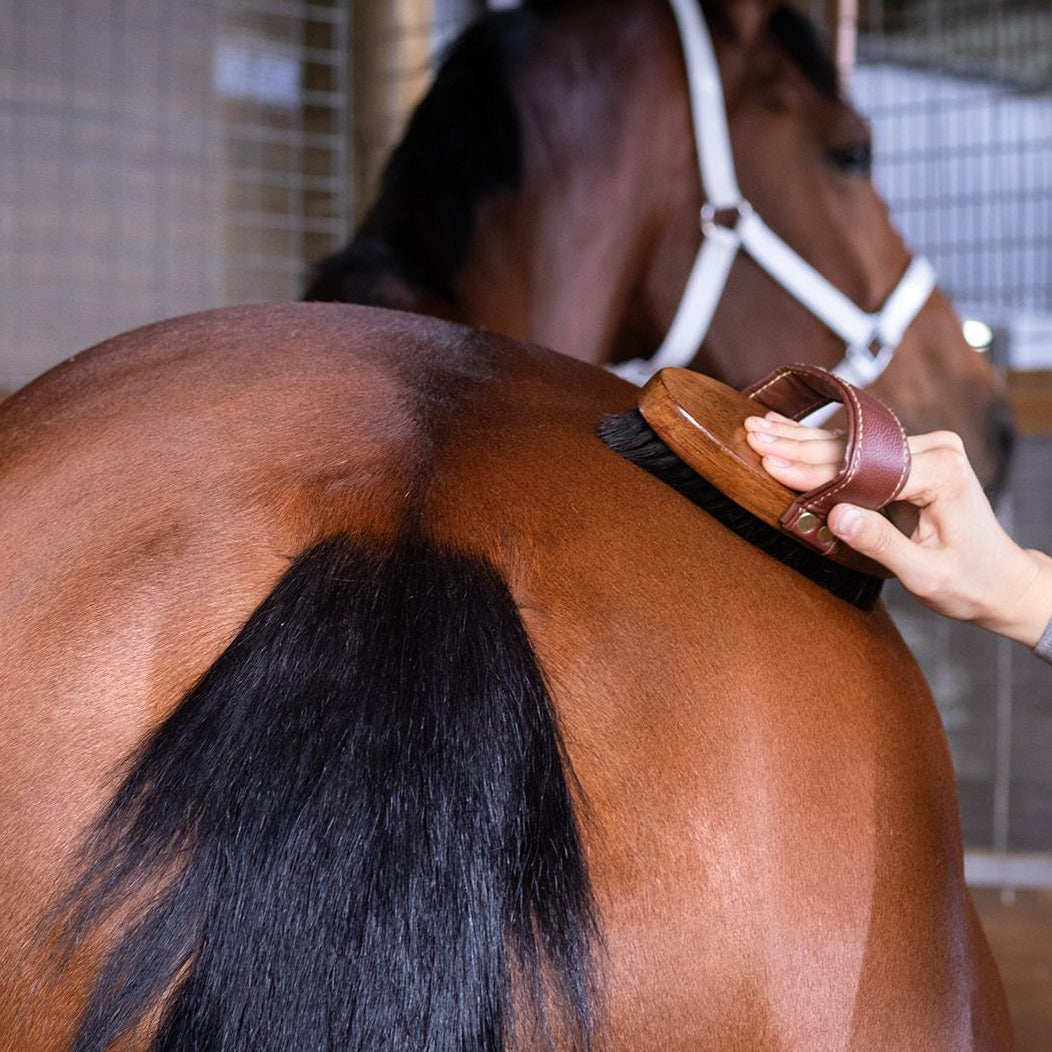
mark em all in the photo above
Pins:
pixel 1027 613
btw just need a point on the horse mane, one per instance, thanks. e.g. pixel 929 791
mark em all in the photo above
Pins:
pixel 463 144
pixel 799 38
pixel 630 436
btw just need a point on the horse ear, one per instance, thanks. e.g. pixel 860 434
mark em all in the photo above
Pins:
pixel 747 18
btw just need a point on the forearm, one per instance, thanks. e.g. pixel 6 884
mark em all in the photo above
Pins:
pixel 957 560
pixel 1027 617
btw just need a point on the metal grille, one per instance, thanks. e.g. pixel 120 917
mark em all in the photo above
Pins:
pixel 960 96
pixel 162 156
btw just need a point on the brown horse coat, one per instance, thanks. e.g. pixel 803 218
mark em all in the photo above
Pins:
pixel 547 188
pixel 770 818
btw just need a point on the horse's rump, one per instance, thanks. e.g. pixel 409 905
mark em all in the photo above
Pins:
pixel 359 824
pixel 771 827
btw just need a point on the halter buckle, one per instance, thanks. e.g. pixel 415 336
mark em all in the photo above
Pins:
pixel 880 350
pixel 728 217
pixel 870 359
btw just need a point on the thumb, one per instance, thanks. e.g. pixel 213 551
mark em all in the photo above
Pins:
pixel 871 534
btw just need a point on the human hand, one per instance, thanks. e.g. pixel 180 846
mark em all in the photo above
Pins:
pixel 956 558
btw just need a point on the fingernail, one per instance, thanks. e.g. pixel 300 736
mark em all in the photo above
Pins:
pixel 845 521
pixel 762 438
pixel 776 462
pixel 758 423
pixel 772 415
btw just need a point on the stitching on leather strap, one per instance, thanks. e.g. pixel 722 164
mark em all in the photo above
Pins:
pixel 778 377
pixel 906 457
pixel 856 455
pixel 822 501
pixel 779 373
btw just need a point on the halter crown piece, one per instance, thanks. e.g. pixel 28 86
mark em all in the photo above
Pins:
pixel 871 339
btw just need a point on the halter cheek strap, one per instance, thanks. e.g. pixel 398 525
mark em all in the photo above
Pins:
pixel 729 225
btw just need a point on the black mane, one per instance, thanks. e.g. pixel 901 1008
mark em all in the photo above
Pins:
pixel 798 37
pixel 463 144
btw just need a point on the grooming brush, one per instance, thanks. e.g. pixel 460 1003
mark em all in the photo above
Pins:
pixel 689 431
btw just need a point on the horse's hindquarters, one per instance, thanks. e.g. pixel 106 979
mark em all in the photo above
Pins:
pixel 776 848
pixel 774 832
pixel 767 802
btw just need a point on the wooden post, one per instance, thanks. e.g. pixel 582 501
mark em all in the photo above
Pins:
pixel 842 20
pixel 390 56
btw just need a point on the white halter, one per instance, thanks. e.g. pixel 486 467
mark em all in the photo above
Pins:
pixel 871 339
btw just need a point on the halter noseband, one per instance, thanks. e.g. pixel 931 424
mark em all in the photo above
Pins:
pixel 729 224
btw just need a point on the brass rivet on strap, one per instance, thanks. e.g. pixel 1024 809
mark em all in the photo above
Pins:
pixel 807 522
pixel 825 535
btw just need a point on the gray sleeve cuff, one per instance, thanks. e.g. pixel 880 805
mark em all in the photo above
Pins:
pixel 1043 648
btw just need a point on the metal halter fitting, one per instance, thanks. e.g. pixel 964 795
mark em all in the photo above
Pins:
pixel 729 224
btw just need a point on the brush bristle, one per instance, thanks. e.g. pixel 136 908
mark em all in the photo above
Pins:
pixel 630 436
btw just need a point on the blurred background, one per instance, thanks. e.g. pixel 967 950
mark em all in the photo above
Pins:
pixel 164 156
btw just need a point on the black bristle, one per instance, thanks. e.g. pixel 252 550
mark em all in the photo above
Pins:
pixel 630 436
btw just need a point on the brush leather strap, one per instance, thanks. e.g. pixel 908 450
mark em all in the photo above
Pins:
pixel 876 458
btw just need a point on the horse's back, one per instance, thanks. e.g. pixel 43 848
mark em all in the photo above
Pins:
pixel 767 797
pixel 773 821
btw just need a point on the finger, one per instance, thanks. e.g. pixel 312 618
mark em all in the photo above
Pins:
pixel 779 419
pixel 799 476
pixel 783 428
pixel 941 471
pixel 817 451
pixel 871 534
pixel 936 440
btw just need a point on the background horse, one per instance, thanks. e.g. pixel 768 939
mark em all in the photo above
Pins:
pixel 442 725
pixel 547 188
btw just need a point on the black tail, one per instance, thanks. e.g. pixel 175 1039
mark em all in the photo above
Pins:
pixel 354 833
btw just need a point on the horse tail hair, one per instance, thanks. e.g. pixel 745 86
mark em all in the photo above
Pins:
pixel 355 832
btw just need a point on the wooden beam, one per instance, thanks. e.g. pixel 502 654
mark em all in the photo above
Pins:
pixel 842 23
pixel 1030 395
pixel 390 54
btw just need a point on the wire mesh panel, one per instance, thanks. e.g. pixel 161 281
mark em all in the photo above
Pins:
pixel 960 96
pixel 162 156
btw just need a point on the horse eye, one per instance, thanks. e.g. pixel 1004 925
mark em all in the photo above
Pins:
pixel 855 158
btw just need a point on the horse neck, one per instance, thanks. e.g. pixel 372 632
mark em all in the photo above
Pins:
pixel 585 250
pixel 564 259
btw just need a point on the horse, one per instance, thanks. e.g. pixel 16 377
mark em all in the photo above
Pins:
pixel 355 695
pixel 547 188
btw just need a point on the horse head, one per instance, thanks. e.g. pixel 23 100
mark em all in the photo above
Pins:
pixel 548 188
pixel 803 156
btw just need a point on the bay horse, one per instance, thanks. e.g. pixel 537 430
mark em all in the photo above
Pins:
pixel 355 695
pixel 547 188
